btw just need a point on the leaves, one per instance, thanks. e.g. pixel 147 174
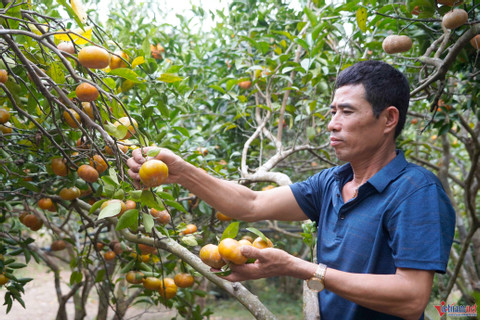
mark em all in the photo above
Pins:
pixel 361 15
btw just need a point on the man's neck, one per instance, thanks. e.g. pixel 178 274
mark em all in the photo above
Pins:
pixel 366 168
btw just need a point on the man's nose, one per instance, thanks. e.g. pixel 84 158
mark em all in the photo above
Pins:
pixel 334 124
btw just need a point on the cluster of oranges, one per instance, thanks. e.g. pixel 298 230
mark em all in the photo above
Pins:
pixel 228 251
pixel 166 287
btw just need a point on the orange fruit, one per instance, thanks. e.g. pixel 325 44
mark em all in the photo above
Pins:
pixel 94 57
pixel 88 109
pixel 3 279
pixel 131 126
pixel 184 280
pixel 162 217
pixel 157 51
pixel 86 92
pixel 250 239
pixel 87 173
pixel 66 46
pixel 123 148
pixel 32 222
pixel 22 216
pixel 109 255
pixel 117 62
pixel 130 204
pixel 82 143
pixel 229 250
pixel 4 115
pixel 134 277
pixel 69 193
pixel 261 244
pixel 99 245
pixel 245 242
pixel 98 163
pixel 189 229
pixel 59 167
pixel 475 42
pixel 220 216
pixel 58 245
pixel 153 173
pixel 245 84
pixel 211 257
pixel 45 203
pixel 168 288
pixel 455 18
pixel 3 75
pixel 395 44
pixel 69 118
pixel 151 283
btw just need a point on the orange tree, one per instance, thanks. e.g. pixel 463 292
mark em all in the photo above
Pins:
pixel 247 100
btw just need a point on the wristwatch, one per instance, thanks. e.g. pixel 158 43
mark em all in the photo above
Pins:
pixel 316 283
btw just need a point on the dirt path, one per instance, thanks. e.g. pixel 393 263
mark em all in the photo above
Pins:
pixel 41 301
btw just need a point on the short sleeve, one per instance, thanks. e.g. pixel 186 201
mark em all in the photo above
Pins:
pixel 421 229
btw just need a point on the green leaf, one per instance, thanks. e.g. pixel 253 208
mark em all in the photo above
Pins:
pixel 258 233
pixel 100 275
pixel 153 152
pixel 148 199
pixel 148 222
pixel 175 205
pixel 189 240
pixel 76 277
pixel 126 73
pixel 111 210
pixel 17 265
pixel 127 219
pixel 361 15
pixel 169 78
pixel 117 131
pixel 128 266
pixel 231 231
pixel 311 16
pixel 218 88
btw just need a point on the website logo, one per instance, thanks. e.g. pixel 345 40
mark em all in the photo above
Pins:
pixel 456 311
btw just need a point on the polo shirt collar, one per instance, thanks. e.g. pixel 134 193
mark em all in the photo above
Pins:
pixel 382 178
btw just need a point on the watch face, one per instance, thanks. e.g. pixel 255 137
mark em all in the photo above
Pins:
pixel 315 284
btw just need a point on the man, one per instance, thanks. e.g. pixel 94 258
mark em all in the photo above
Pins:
pixel 385 226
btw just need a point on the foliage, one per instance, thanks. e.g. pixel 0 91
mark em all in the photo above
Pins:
pixel 181 86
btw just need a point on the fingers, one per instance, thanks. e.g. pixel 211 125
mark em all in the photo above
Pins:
pixel 250 252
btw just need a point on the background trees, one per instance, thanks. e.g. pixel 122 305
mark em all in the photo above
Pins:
pixel 246 99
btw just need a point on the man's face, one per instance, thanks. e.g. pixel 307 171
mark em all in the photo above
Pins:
pixel 355 133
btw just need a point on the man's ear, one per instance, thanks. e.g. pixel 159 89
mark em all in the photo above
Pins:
pixel 391 116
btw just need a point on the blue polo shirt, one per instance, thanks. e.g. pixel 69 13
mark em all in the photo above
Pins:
pixel 401 218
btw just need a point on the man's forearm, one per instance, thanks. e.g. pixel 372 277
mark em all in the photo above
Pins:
pixel 404 294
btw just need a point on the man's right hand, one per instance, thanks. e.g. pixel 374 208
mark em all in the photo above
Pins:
pixel 176 165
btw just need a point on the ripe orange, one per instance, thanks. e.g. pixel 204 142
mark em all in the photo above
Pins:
pixel 22 216
pixel 131 126
pixel 58 245
pixel 88 109
pixel 220 216
pixel 157 51
pixel 261 244
pixel 153 173
pixel 229 250
pixel 69 193
pixel 59 167
pixel 123 148
pixel 69 118
pixel 32 222
pixel 98 163
pixel 184 280
pixel 117 248
pixel 109 255
pixel 86 92
pixel 130 204
pixel 455 18
pixel 245 242
pixel 247 238
pixel 45 203
pixel 211 257
pixel 82 143
pixel 99 245
pixel 134 277
pixel 94 57
pixel 117 62
pixel 151 283
pixel 475 42
pixel 5 129
pixel 189 229
pixel 87 173
pixel 66 46
pixel 245 84
pixel 168 288
pixel 3 75
pixel 395 44
pixel 3 279
pixel 162 217
pixel 4 115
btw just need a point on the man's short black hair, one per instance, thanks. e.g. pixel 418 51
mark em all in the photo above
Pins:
pixel 384 86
